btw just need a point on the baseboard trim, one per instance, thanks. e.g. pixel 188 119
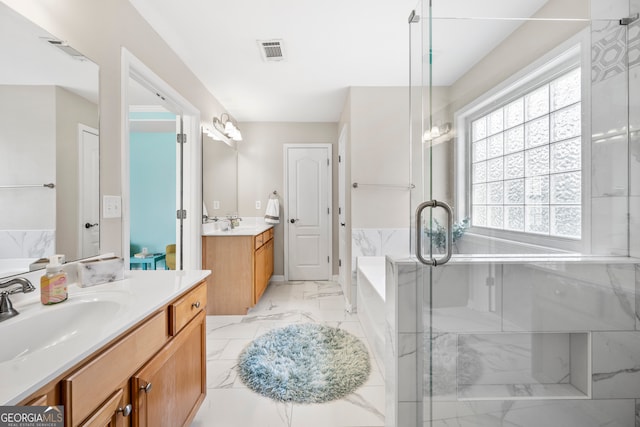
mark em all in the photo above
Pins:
pixel 277 278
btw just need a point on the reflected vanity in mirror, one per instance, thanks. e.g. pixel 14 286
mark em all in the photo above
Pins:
pixel 219 178
pixel 49 147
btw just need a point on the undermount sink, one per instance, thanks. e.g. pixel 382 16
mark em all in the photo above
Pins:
pixel 40 328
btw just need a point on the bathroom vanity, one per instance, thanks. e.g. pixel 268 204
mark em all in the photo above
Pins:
pixel 242 263
pixel 128 353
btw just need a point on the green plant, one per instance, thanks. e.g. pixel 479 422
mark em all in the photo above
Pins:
pixel 438 234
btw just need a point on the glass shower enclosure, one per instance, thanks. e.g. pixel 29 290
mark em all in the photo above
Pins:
pixel 520 306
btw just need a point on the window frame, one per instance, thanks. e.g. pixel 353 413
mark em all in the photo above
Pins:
pixel 569 55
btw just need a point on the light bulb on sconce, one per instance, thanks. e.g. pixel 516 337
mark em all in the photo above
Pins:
pixel 227 126
pixel 436 132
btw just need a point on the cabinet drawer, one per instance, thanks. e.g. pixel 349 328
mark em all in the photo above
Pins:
pixel 269 235
pixel 258 241
pixel 187 307
pixel 87 388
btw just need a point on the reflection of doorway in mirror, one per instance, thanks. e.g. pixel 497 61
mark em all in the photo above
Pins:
pixel 89 183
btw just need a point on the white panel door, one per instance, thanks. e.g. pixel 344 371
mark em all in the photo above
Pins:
pixel 89 149
pixel 308 213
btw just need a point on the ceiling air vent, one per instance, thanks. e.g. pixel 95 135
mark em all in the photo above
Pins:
pixel 63 46
pixel 272 50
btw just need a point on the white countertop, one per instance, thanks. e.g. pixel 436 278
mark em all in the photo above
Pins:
pixel 135 298
pixel 208 229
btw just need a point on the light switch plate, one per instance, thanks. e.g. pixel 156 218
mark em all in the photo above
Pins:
pixel 111 207
pixel 258 204
pixel 216 204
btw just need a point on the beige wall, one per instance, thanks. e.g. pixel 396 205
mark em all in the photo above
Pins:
pixel 379 154
pixel 71 110
pixel 261 171
pixel 99 29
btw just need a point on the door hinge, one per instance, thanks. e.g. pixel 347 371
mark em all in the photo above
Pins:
pixel 629 20
pixel 328 259
pixel 339 210
pixel 339 263
pixel 328 213
pixel 327 162
pixel 181 214
pixel 181 138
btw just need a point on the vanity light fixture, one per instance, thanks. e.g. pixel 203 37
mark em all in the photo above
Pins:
pixel 227 126
pixel 436 132
pixel 216 135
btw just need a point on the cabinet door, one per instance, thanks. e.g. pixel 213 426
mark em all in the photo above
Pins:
pixel 260 272
pixel 111 413
pixel 168 390
pixel 269 260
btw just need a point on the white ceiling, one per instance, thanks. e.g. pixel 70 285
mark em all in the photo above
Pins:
pixel 329 45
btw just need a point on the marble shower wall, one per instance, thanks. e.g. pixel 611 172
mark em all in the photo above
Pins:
pixel 615 74
pixel 634 125
pixel 375 242
pixel 27 243
pixel 541 342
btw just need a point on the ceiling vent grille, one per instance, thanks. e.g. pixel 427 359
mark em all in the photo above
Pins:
pixel 271 50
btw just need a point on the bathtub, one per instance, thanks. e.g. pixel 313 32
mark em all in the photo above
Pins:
pixel 371 311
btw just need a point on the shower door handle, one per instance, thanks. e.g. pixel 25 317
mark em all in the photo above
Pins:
pixel 420 232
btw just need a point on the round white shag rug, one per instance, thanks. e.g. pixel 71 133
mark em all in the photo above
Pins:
pixel 304 363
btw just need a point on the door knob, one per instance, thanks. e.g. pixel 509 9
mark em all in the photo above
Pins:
pixel 126 411
pixel 293 221
pixel 343 224
pixel 89 225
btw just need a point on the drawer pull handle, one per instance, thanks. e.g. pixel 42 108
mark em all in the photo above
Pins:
pixel 196 304
pixel 126 411
pixel 146 388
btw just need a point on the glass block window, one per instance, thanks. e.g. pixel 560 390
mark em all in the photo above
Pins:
pixel 526 162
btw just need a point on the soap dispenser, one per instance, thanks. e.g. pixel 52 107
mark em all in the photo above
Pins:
pixel 53 285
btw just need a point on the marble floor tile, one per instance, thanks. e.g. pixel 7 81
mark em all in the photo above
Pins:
pixel 230 403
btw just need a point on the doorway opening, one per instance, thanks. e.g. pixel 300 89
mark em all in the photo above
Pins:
pixel 177 199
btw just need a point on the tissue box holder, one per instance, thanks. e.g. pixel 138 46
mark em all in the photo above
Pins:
pixel 103 270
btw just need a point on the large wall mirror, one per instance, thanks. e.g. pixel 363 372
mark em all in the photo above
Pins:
pixel 219 178
pixel 49 147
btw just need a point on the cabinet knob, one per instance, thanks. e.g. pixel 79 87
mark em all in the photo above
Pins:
pixel 196 304
pixel 126 411
pixel 146 388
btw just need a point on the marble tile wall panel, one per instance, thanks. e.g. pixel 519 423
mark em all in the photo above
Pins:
pixel 637 413
pixel 403 341
pixel 610 9
pixel 409 275
pixel 609 150
pixel 466 298
pixel 634 226
pixel 570 297
pixel 27 243
pixel 609 230
pixel 520 358
pixel 559 413
pixel 379 242
pixel 638 297
pixel 616 365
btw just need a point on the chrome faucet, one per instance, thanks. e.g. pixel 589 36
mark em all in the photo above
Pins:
pixel 234 221
pixel 6 308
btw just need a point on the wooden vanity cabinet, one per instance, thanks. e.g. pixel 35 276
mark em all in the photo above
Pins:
pixel 153 375
pixel 241 267
pixel 178 370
